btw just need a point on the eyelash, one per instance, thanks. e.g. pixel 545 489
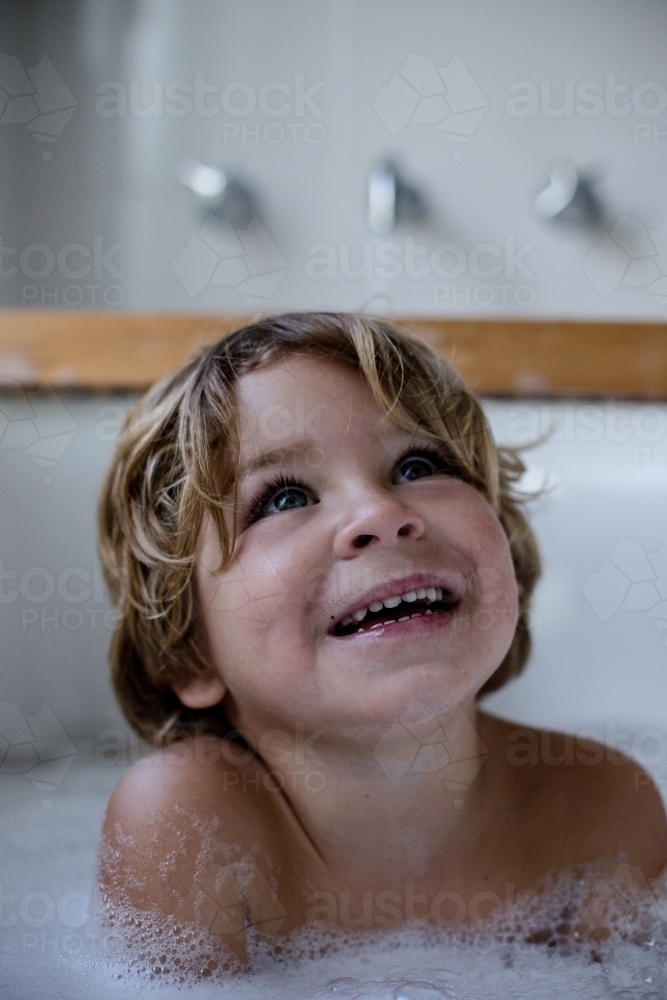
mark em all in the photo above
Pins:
pixel 438 455
pixel 272 487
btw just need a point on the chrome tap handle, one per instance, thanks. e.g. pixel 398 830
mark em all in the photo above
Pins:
pixel 382 199
pixel 568 197
pixel 391 200
pixel 218 193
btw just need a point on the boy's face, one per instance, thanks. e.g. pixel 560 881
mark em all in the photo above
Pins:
pixel 340 509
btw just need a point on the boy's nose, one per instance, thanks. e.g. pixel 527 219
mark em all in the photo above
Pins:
pixel 382 520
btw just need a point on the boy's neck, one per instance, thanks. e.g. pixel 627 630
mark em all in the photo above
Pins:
pixel 405 795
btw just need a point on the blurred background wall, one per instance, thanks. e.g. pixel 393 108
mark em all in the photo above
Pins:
pixel 474 103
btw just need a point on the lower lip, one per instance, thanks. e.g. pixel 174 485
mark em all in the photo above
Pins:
pixel 412 627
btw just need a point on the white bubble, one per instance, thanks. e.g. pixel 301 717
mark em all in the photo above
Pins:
pixel 343 986
pixel 419 991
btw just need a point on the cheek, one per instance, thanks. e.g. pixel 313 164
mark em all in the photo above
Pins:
pixel 259 598
pixel 492 581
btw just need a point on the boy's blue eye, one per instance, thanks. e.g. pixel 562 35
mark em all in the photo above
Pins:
pixel 416 466
pixel 288 498
pixel 280 498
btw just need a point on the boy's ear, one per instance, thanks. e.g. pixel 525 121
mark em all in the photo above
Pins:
pixel 201 692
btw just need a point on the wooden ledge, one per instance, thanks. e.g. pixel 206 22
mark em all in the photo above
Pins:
pixel 97 350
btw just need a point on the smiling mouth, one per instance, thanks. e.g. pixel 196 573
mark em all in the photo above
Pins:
pixel 424 602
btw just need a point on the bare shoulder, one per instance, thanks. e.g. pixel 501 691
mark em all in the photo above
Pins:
pixel 179 826
pixel 583 801
pixel 197 777
pixel 176 821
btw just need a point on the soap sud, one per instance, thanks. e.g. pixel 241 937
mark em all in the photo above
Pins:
pixel 526 950
pixel 414 964
pixel 409 968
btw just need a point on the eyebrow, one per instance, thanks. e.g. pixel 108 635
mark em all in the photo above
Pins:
pixel 277 456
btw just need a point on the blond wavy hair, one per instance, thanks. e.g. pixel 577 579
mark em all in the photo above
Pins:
pixel 176 462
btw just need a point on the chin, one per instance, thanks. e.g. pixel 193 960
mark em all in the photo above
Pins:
pixel 424 692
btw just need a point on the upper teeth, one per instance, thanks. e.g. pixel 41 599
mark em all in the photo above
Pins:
pixel 422 594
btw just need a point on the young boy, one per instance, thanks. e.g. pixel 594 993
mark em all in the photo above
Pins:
pixel 320 565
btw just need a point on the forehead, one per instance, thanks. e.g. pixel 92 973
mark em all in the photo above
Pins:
pixel 301 397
